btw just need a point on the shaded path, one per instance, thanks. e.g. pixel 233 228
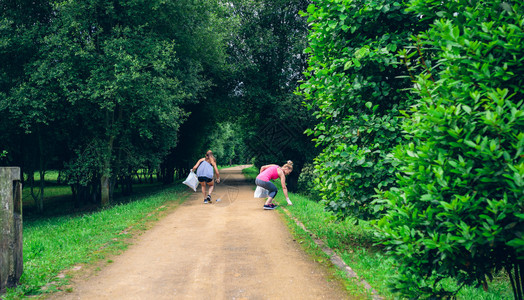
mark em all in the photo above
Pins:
pixel 231 249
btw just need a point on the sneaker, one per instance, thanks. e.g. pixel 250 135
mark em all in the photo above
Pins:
pixel 206 201
pixel 270 206
pixel 209 199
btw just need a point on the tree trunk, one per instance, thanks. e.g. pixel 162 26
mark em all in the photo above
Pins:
pixel 74 195
pixel 127 185
pixel 42 169
pixel 104 190
pixel 40 201
pixel 167 169
pixel 112 183
pixel 106 174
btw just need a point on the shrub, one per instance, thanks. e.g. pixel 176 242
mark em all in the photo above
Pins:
pixel 458 209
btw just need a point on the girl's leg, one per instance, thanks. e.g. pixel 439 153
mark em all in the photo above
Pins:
pixel 268 185
pixel 211 187
pixel 203 184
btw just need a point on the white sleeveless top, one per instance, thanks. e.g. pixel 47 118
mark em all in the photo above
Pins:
pixel 205 170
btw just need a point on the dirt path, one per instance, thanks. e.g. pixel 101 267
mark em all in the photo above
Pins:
pixel 231 249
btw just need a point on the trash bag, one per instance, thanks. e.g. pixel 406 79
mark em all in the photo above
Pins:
pixel 261 192
pixel 191 180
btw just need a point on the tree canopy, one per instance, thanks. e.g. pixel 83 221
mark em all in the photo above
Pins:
pixel 108 83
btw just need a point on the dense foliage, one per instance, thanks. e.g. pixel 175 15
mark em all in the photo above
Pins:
pixel 434 123
pixel 251 114
pixel 354 90
pixel 458 209
pixel 269 48
pixel 227 143
pixel 22 23
pixel 101 89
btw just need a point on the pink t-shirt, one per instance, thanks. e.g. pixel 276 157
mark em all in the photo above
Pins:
pixel 269 174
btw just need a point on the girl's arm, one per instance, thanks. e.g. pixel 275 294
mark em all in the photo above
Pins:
pixel 198 163
pixel 216 169
pixel 283 181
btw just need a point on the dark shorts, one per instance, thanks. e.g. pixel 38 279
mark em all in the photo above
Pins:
pixel 204 179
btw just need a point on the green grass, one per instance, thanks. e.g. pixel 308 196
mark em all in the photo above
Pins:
pixel 49 191
pixel 353 242
pixel 50 175
pixel 250 172
pixel 54 244
pixel 58 197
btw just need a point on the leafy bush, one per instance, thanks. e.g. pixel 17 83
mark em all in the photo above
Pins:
pixel 354 89
pixel 307 181
pixel 458 209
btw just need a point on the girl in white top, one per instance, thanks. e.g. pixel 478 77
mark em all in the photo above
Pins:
pixel 204 171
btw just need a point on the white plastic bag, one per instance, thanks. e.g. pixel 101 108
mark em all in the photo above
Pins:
pixel 261 192
pixel 191 180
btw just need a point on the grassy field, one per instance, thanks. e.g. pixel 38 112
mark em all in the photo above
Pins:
pixel 354 243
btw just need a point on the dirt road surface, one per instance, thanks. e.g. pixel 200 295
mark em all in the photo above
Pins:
pixel 231 249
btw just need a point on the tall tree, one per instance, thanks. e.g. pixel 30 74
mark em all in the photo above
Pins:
pixel 204 46
pixel 22 25
pixel 270 47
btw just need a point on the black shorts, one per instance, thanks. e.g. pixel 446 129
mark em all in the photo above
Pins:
pixel 204 179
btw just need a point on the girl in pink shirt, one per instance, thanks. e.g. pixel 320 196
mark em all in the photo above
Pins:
pixel 271 172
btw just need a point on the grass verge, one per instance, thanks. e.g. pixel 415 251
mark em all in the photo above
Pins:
pixel 55 244
pixel 250 173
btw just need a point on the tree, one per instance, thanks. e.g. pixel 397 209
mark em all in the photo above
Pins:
pixel 457 209
pixel 22 23
pixel 204 44
pixel 268 51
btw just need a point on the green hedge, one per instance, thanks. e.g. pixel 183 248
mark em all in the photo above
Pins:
pixel 356 86
pixel 457 212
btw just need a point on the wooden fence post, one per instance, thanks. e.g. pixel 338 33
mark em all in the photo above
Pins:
pixel 11 262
